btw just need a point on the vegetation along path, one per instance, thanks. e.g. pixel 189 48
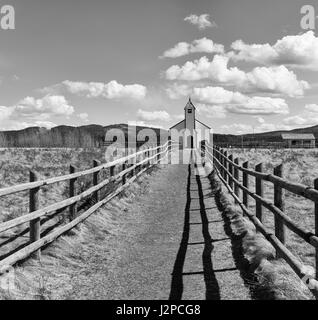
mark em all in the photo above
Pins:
pixel 171 244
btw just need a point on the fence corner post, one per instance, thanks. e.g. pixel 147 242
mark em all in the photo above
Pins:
pixel 35 224
pixel 259 191
pixel 72 193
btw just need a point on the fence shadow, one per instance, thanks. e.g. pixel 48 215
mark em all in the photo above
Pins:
pixel 177 285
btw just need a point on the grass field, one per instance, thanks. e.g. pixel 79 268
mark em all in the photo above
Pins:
pixel 301 166
pixel 15 165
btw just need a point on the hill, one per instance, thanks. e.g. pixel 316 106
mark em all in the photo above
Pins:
pixel 63 136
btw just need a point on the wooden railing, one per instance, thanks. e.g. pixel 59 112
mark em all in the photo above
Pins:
pixel 149 157
pixel 229 171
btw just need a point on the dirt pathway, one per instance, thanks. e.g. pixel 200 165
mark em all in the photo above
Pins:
pixel 172 244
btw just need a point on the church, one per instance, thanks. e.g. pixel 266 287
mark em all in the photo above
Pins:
pixel 190 132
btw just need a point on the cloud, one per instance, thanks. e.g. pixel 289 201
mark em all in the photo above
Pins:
pixel 230 101
pixel 309 117
pixel 312 108
pixel 260 106
pixel 277 79
pixel 30 112
pixel 44 107
pixel 294 50
pixel 153 115
pixel 211 111
pixel 217 95
pixel 200 45
pixel 240 128
pixel 178 91
pixel 202 21
pixel 83 116
pixel 110 90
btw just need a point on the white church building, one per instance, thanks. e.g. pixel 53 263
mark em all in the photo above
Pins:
pixel 191 132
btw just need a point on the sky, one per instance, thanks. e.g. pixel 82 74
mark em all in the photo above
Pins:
pixel 248 65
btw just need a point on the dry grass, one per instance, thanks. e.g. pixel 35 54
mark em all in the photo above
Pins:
pixel 300 165
pixel 15 165
pixel 267 277
pixel 65 260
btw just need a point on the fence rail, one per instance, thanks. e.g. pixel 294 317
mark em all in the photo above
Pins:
pixel 150 157
pixel 229 171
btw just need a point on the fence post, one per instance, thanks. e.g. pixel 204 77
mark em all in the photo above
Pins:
pixel 169 150
pixel 245 184
pixel 231 172
pixel 316 226
pixel 259 191
pixel 95 181
pixel 72 193
pixel 225 176
pixel 280 204
pixel 236 177
pixel 124 165
pixel 35 225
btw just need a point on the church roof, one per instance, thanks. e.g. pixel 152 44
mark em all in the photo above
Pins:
pixel 190 104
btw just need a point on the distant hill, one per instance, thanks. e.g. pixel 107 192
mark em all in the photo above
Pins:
pixel 62 136
pixel 261 138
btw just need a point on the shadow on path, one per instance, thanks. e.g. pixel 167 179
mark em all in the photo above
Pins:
pixel 211 284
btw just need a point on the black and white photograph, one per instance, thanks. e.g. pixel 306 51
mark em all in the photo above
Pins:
pixel 155 154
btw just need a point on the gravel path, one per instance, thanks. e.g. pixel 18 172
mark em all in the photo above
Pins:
pixel 171 244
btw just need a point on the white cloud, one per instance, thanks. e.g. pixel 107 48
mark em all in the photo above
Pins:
pixel 83 116
pixel 30 112
pixel 236 102
pixel 276 79
pixel 211 111
pixel 44 107
pixel 260 106
pixel 200 45
pixel 217 95
pixel 312 108
pixel 240 128
pixel 110 90
pixel 153 115
pixel 202 21
pixel 293 50
pixel 178 91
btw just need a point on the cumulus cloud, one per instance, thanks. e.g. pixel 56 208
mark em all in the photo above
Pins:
pixel 277 79
pixel 202 21
pixel 211 111
pixel 153 115
pixel 44 107
pixel 34 112
pixel 177 91
pixel 110 90
pixel 200 45
pixel 231 101
pixel 307 118
pixel 260 106
pixel 293 50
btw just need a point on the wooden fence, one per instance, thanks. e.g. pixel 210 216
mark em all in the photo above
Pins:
pixel 130 166
pixel 230 170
